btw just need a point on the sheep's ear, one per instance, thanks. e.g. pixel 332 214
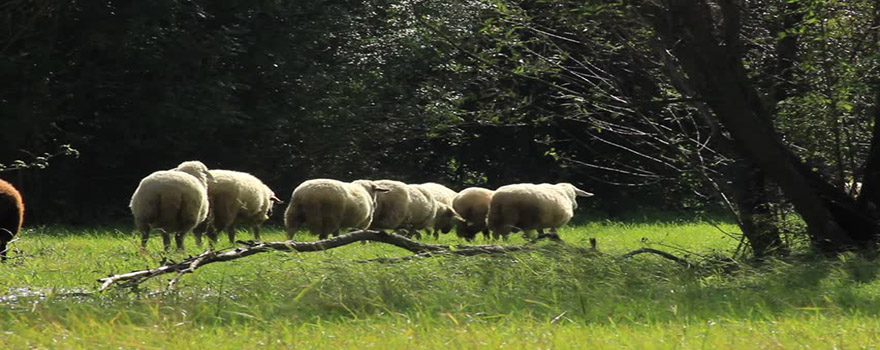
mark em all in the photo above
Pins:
pixel 582 193
pixel 276 200
pixel 380 189
pixel 210 177
pixel 451 213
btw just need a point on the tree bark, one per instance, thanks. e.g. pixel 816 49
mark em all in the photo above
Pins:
pixel 869 196
pixel 718 75
pixel 752 196
pixel 756 219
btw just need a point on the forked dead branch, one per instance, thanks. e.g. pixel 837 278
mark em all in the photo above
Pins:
pixel 420 249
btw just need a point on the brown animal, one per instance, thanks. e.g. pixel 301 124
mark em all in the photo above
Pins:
pixel 11 215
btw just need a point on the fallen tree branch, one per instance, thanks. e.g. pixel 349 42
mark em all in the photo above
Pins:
pixel 658 252
pixel 418 248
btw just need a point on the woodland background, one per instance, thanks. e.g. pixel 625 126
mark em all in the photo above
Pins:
pixel 604 94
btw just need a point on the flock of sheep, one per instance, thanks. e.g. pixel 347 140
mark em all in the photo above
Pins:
pixel 193 198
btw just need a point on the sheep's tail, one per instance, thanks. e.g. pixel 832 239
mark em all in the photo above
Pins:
pixel 168 208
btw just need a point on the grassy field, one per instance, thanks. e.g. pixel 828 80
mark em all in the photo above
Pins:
pixel 558 296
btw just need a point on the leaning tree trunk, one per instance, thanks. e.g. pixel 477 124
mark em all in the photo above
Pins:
pixel 718 76
pixel 752 193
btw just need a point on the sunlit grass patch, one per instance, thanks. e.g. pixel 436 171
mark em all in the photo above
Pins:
pixel 557 296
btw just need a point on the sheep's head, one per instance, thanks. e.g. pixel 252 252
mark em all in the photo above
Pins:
pixel 577 191
pixel 446 217
pixel 197 169
pixel 466 230
pixel 573 192
pixel 272 200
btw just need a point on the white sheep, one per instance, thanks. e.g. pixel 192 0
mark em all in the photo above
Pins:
pixel 236 198
pixel 532 207
pixel 173 200
pixel 422 210
pixel 403 208
pixel 326 205
pixel 472 205
pixel 445 215
pixel 392 206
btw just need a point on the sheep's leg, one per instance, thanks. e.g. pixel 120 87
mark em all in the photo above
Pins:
pixel 166 239
pixel 144 229
pixel 323 236
pixel 502 232
pixel 201 229
pixel 212 234
pixel 230 232
pixel 485 234
pixel 331 224
pixel 256 231
pixel 436 234
pixel 3 247
pixel 178 239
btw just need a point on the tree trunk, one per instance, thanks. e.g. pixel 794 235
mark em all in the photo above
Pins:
pixel 719 77
pixel 869 196
pixel 756 219
pixel 752 195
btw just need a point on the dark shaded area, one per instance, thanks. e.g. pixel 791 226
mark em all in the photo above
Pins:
pixel 288 92
pixel 691 106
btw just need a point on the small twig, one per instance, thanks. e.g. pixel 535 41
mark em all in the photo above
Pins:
pixel 41 161
pixel 658 252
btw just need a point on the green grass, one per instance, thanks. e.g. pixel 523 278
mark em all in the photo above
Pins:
pixel 559 296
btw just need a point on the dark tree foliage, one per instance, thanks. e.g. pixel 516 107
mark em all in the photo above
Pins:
pixel 608 94
pixel 285 90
